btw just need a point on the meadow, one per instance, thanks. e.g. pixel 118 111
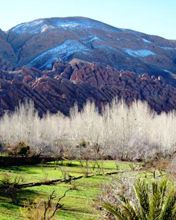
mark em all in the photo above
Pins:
pixel 90 153
pixel 82 199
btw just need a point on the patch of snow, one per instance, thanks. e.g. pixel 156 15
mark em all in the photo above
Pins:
pixel 79 24
pixel 35 27
pixel 167 71
pixel 46 27
pixel 61 52
pixel 69 25
pixel 30 27
pixel 94 38
pixel 168 48
pixel 139 53
pixel 61 23
pixel 91 39
pixel 146 41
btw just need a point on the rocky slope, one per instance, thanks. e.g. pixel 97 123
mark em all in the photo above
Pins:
pixel 7 54
pixel 58 62
pixel 41 42
pixel 77 82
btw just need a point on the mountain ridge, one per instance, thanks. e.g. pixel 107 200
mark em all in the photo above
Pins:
pixel 58 63
pixel 82 17
pixel 73 83
pixel 89 40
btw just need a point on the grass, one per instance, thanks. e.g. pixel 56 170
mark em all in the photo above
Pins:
pixel 79 203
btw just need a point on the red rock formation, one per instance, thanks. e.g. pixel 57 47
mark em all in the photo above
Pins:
pixel 63 86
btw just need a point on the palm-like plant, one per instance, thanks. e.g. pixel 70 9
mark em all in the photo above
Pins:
pixel 154 201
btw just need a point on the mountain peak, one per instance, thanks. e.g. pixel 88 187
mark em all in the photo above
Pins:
pixel 41 42
pixel 41 25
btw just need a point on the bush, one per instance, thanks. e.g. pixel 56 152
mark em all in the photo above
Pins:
pixel 8 187
pixel 20 149
pixel 43 209
pixel 150 200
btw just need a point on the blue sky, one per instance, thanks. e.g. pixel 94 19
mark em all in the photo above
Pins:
pixel 149 16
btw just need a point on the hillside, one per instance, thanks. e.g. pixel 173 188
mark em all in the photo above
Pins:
pixel 57 62
pixel 77 82
pixel 41 42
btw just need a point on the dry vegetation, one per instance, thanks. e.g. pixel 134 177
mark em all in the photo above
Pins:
pixel 130 133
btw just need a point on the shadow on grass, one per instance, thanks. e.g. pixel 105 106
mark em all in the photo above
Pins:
pixel 62 163
pixel 18 197
pixel 7 205
pixel 19 169
pixel 26 168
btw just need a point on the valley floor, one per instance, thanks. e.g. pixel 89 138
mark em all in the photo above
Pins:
pixel 81 201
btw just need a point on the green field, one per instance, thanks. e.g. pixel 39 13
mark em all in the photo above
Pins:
pixel 81 200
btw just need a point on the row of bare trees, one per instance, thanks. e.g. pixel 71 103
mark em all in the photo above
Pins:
pixel 119 132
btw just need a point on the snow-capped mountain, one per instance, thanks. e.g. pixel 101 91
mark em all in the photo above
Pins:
pixel 41 42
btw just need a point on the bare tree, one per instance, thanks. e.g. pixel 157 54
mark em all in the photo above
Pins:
pixel 121 131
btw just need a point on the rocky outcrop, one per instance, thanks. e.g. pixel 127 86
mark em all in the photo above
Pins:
pixel 76 83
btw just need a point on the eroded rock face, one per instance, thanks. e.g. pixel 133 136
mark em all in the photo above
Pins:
pixel 77 82
pixel 41 42
pixel 58 62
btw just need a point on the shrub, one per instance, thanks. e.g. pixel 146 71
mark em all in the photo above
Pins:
pixel 20 149
pixel 150 201
pixel 8 187
pixel 43 209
